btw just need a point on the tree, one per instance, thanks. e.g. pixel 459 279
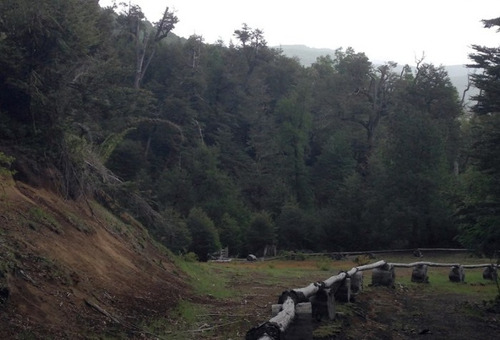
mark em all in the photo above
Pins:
pixel 480 209
pixel 205 239
pixel 411 181
pixel 296 229
pixel 333 166
pixel 293 122
pixel 260 232
pixel 145 41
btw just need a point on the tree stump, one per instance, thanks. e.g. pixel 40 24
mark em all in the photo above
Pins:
pixel 343 293
pixel 457 274
pixel 323 304
pixel 384 276
pixel 357 283
pixel 419 274
pixel 490 273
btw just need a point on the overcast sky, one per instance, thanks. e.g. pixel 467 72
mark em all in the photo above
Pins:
pixel 386 30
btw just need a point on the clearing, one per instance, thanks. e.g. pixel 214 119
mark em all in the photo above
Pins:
pixel 72 270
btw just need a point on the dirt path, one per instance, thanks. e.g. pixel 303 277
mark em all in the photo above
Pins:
pixel 417 312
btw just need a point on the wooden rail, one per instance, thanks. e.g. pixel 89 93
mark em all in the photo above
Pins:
pixel 278 325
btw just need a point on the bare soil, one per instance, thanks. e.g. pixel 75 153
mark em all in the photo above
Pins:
pixel 417 312
pixel 69 270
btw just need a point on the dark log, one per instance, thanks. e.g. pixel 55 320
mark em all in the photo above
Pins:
pixel 457 274
pixel 343 293
pixel 490 273
pixel 419 274
pixel 384 276
pixel 357 283
pixel 323 304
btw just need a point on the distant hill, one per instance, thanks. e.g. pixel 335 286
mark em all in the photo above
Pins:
pixel 307 55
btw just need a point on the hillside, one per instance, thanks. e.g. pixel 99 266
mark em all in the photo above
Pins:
pixel 72 270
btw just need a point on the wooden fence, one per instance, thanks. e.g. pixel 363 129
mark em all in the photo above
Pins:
pixel 318 299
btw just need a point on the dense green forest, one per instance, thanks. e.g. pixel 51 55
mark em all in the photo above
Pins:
pixel 214 145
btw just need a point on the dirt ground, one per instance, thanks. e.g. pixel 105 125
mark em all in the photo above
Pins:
pixel 399 313
pixel 70 270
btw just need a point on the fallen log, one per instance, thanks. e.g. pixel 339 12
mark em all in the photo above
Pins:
pixel 276 326
pixel 433 264
pixel 101 310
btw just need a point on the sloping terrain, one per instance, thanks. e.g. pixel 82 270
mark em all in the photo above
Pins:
pixel 72 270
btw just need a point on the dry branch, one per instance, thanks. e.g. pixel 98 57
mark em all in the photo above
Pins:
pixel 101 310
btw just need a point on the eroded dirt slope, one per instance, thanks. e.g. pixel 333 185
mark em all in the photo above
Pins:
pixel 72 270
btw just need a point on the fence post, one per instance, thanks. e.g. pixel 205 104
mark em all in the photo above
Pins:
pixel 343 293
pixel 490 273
pixel 323 304
pixel 357 283
pixel 457 274
pixel 384 276
pixel 419 274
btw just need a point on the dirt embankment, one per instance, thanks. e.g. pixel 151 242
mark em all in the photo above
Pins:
pixel 71 270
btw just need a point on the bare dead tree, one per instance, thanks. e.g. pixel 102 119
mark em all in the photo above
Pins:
pixel 146 46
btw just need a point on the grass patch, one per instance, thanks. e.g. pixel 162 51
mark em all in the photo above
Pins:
pixel 182 323
pixel 39 217
pixel 206 279
pixel 439 282
pixel 328 330
pixel 78 223
pixel 324 263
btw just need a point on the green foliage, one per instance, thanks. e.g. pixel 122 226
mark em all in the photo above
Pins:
pixel 196 140
pixel 205 239
pixel 175 233
pixel 230 234
pixel 260 233
pixel 334 164
pixel 296 229
pixel 479 208
pixel 5 165
pixel 190 257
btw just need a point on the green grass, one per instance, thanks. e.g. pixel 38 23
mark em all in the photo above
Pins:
pixel 40 217
pixel 206 279
pixel 78 223
pixel 439 282
pixel 219 284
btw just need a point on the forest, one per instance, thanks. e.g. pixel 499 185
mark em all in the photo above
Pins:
pixel 236 145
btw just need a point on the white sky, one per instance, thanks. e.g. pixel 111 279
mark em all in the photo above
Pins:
pixel 396 30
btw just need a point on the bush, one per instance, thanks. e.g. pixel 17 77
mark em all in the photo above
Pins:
pixel 190 257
